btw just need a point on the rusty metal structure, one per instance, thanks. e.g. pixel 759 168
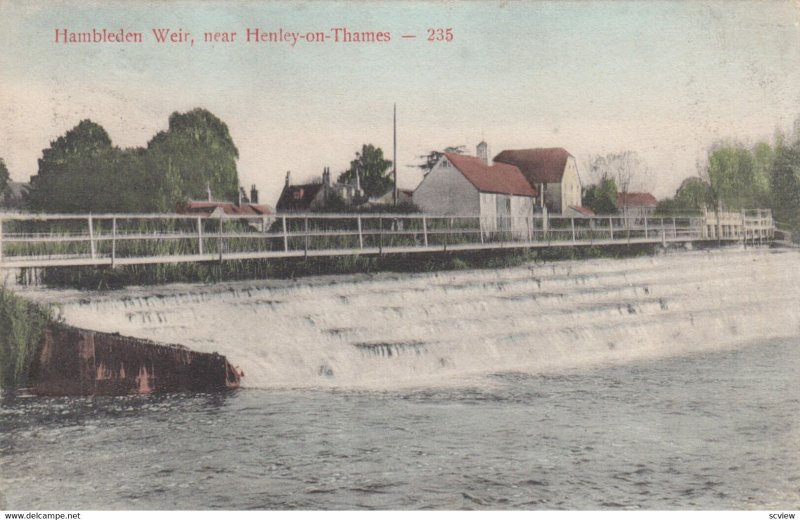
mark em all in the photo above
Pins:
pixel 74 361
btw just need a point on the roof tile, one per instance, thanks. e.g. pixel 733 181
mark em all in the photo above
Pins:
pixel 538 165
pixel 498 178
pixel 636 199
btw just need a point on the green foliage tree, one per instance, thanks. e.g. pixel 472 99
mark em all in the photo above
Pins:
pixel 195 153
pixel 602 197
pixel 372 170
pixel 64 181
pixel 692 196
pixel 732 178
pixel 430 159
pixel 763 158
pixel 785 186
pixel 4 175
pixel 83 172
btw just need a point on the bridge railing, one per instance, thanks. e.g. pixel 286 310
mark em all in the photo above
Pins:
pixel 42 239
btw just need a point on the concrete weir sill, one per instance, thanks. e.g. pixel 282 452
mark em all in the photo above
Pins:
pixel 73 361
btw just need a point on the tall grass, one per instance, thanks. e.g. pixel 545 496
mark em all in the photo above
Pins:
pixel 21 327
pixel 212 272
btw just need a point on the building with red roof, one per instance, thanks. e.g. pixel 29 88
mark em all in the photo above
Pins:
pixel 245 208
pixel 463 185
pixel 552 171
pixel 637 205
pixel 205 208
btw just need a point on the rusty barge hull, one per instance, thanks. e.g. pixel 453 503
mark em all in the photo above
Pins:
pixel 74 361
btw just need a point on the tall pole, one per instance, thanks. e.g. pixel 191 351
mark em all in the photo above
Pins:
pixel 394 157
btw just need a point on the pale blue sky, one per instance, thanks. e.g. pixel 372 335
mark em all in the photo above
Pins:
pixel 666 79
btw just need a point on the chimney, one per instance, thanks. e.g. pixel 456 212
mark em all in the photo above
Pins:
pixel 208 191
pixel 288 178
pixel 483 152
pixel 253 194
pixel 326 176
pixel 241 192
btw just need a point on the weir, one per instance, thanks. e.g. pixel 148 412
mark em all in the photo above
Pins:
pixel 390 330
pixel 30 241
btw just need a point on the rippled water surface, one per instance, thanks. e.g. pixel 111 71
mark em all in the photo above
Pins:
pixel 716 430
pixel 667 383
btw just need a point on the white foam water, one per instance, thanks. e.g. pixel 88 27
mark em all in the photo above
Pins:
pixel 391 331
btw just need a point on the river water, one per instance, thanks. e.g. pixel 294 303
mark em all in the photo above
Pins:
pixel 666 382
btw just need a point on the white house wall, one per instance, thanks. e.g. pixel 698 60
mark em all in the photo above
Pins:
pixel 445 191
pixel 570 186
pixel 488 212
pixel 521 213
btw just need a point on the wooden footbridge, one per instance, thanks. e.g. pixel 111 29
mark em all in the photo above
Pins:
pixel 42 240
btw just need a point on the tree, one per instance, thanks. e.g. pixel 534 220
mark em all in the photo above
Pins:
pixel 71 170
pixel 83 172
pixel 785 186
pixel 371 169
pixel 4 175
pixel 763 157
pixel 692 196
pixel 625 168
pixel 731 175
pixel 194 154
pixel 602 197
pixel 430 159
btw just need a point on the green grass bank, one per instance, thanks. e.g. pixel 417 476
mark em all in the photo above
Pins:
pixel 22 324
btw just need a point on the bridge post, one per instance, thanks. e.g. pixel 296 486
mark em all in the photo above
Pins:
pixel 611 226
pixel 285 235
pixel 113 240
pixel 674 228
pixel 425 230
pixel 91 238
pixel 743 232
pixel 380 234
pixel 627 227
pixel 480 228
pixel 200 235
pixel 645 227
pixel 305 227
pixel 360 236
pixel 219 240
pixel 529 222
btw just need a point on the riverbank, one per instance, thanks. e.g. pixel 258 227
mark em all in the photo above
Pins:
pixel 22 325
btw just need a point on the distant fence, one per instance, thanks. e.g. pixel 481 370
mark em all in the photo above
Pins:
pixel 41 240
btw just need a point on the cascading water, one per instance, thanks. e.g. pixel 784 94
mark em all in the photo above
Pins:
pixel 391 331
